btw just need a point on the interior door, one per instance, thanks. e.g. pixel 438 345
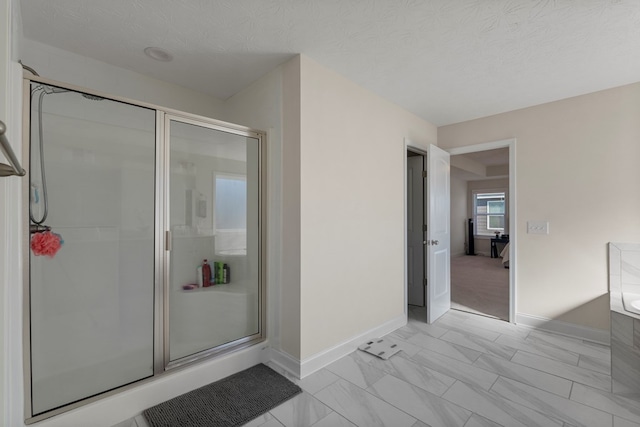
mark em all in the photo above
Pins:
pixel 438 234
pixel 415 230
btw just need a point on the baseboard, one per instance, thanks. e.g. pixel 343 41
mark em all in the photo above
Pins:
pixel 286 362
pixel 318 361
pixel 564 328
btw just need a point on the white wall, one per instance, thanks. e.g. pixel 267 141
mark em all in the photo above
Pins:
pixel 291 293
pixel 352 207
pixel 569 153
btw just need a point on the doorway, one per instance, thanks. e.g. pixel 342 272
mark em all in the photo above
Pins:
pixel 483 217
pixel 416 229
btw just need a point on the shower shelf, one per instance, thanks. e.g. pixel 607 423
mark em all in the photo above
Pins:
pixel 227 288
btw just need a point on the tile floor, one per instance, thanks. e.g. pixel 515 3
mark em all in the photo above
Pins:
pixel 464 370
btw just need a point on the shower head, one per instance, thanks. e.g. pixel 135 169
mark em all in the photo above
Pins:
pixel 92 97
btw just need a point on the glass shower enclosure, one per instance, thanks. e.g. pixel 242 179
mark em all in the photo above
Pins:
pixel 145 243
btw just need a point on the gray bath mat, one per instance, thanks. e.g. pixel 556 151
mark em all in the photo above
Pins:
pixel 380 348
pixel 232 401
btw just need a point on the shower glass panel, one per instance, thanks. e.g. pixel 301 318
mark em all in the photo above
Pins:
pixel 214 213
pixel 91 304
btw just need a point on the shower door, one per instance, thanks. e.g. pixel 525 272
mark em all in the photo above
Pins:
pixel 125 202
pixel 91 303
pixel 213 215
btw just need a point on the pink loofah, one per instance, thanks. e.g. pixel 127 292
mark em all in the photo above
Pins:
pixel 46 243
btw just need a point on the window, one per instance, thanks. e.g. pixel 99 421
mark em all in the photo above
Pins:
pixel 489 212
pixel 230 214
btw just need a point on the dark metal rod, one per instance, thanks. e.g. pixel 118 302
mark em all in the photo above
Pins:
pixel 14 168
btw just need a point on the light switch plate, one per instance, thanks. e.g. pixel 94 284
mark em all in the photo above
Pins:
pixel 538 227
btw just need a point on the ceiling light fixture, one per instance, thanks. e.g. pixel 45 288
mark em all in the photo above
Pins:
pixel 158 54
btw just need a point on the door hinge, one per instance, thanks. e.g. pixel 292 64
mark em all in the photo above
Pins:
pixel 425 281
pixel 424 227
pixel 424 174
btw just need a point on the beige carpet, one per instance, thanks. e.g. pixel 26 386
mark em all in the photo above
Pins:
pixel 480 285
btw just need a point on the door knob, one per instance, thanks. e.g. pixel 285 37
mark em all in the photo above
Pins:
pixel 424 242
pixel 434 242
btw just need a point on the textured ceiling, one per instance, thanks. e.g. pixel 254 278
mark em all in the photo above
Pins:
pixel 445 60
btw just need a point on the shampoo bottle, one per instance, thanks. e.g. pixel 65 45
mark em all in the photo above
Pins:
pixel 206 274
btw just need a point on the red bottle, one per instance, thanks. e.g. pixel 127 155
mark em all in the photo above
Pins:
pixel 206 274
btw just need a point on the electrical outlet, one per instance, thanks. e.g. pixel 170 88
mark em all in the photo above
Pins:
pixel 538 227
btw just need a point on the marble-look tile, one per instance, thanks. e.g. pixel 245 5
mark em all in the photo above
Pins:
pixel 355 370
pixel 551 404
pixel 362 408
pixel 334 420
pixel 317 381
pixel 622 328
pixel 636 333
pixel 406 332
pixel 478 421
pixel 419 403
pixel 495 408
pixel 264 420
pixel 420 424
pixel 540 349
pixel 595 364
pixel 430 329
pixel 455 315
pixel 621 422
pixel 630 266
pixel 469 328
pixel 453 351
pixel 563 370
pixel 362 356
pixel 302 410
pixel 479 344
pixel 530 376
pixel 625 368
pixel 499 326
pixel 418 375
pixel 623 407
pixel 570 344
pixel 459 370
pixel 273 422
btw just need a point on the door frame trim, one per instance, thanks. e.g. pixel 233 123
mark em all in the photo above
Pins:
pixel 513 235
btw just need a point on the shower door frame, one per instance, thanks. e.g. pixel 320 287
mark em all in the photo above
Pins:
pixel 162 245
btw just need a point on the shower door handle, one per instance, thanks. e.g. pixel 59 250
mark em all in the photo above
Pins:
pixel 167 240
